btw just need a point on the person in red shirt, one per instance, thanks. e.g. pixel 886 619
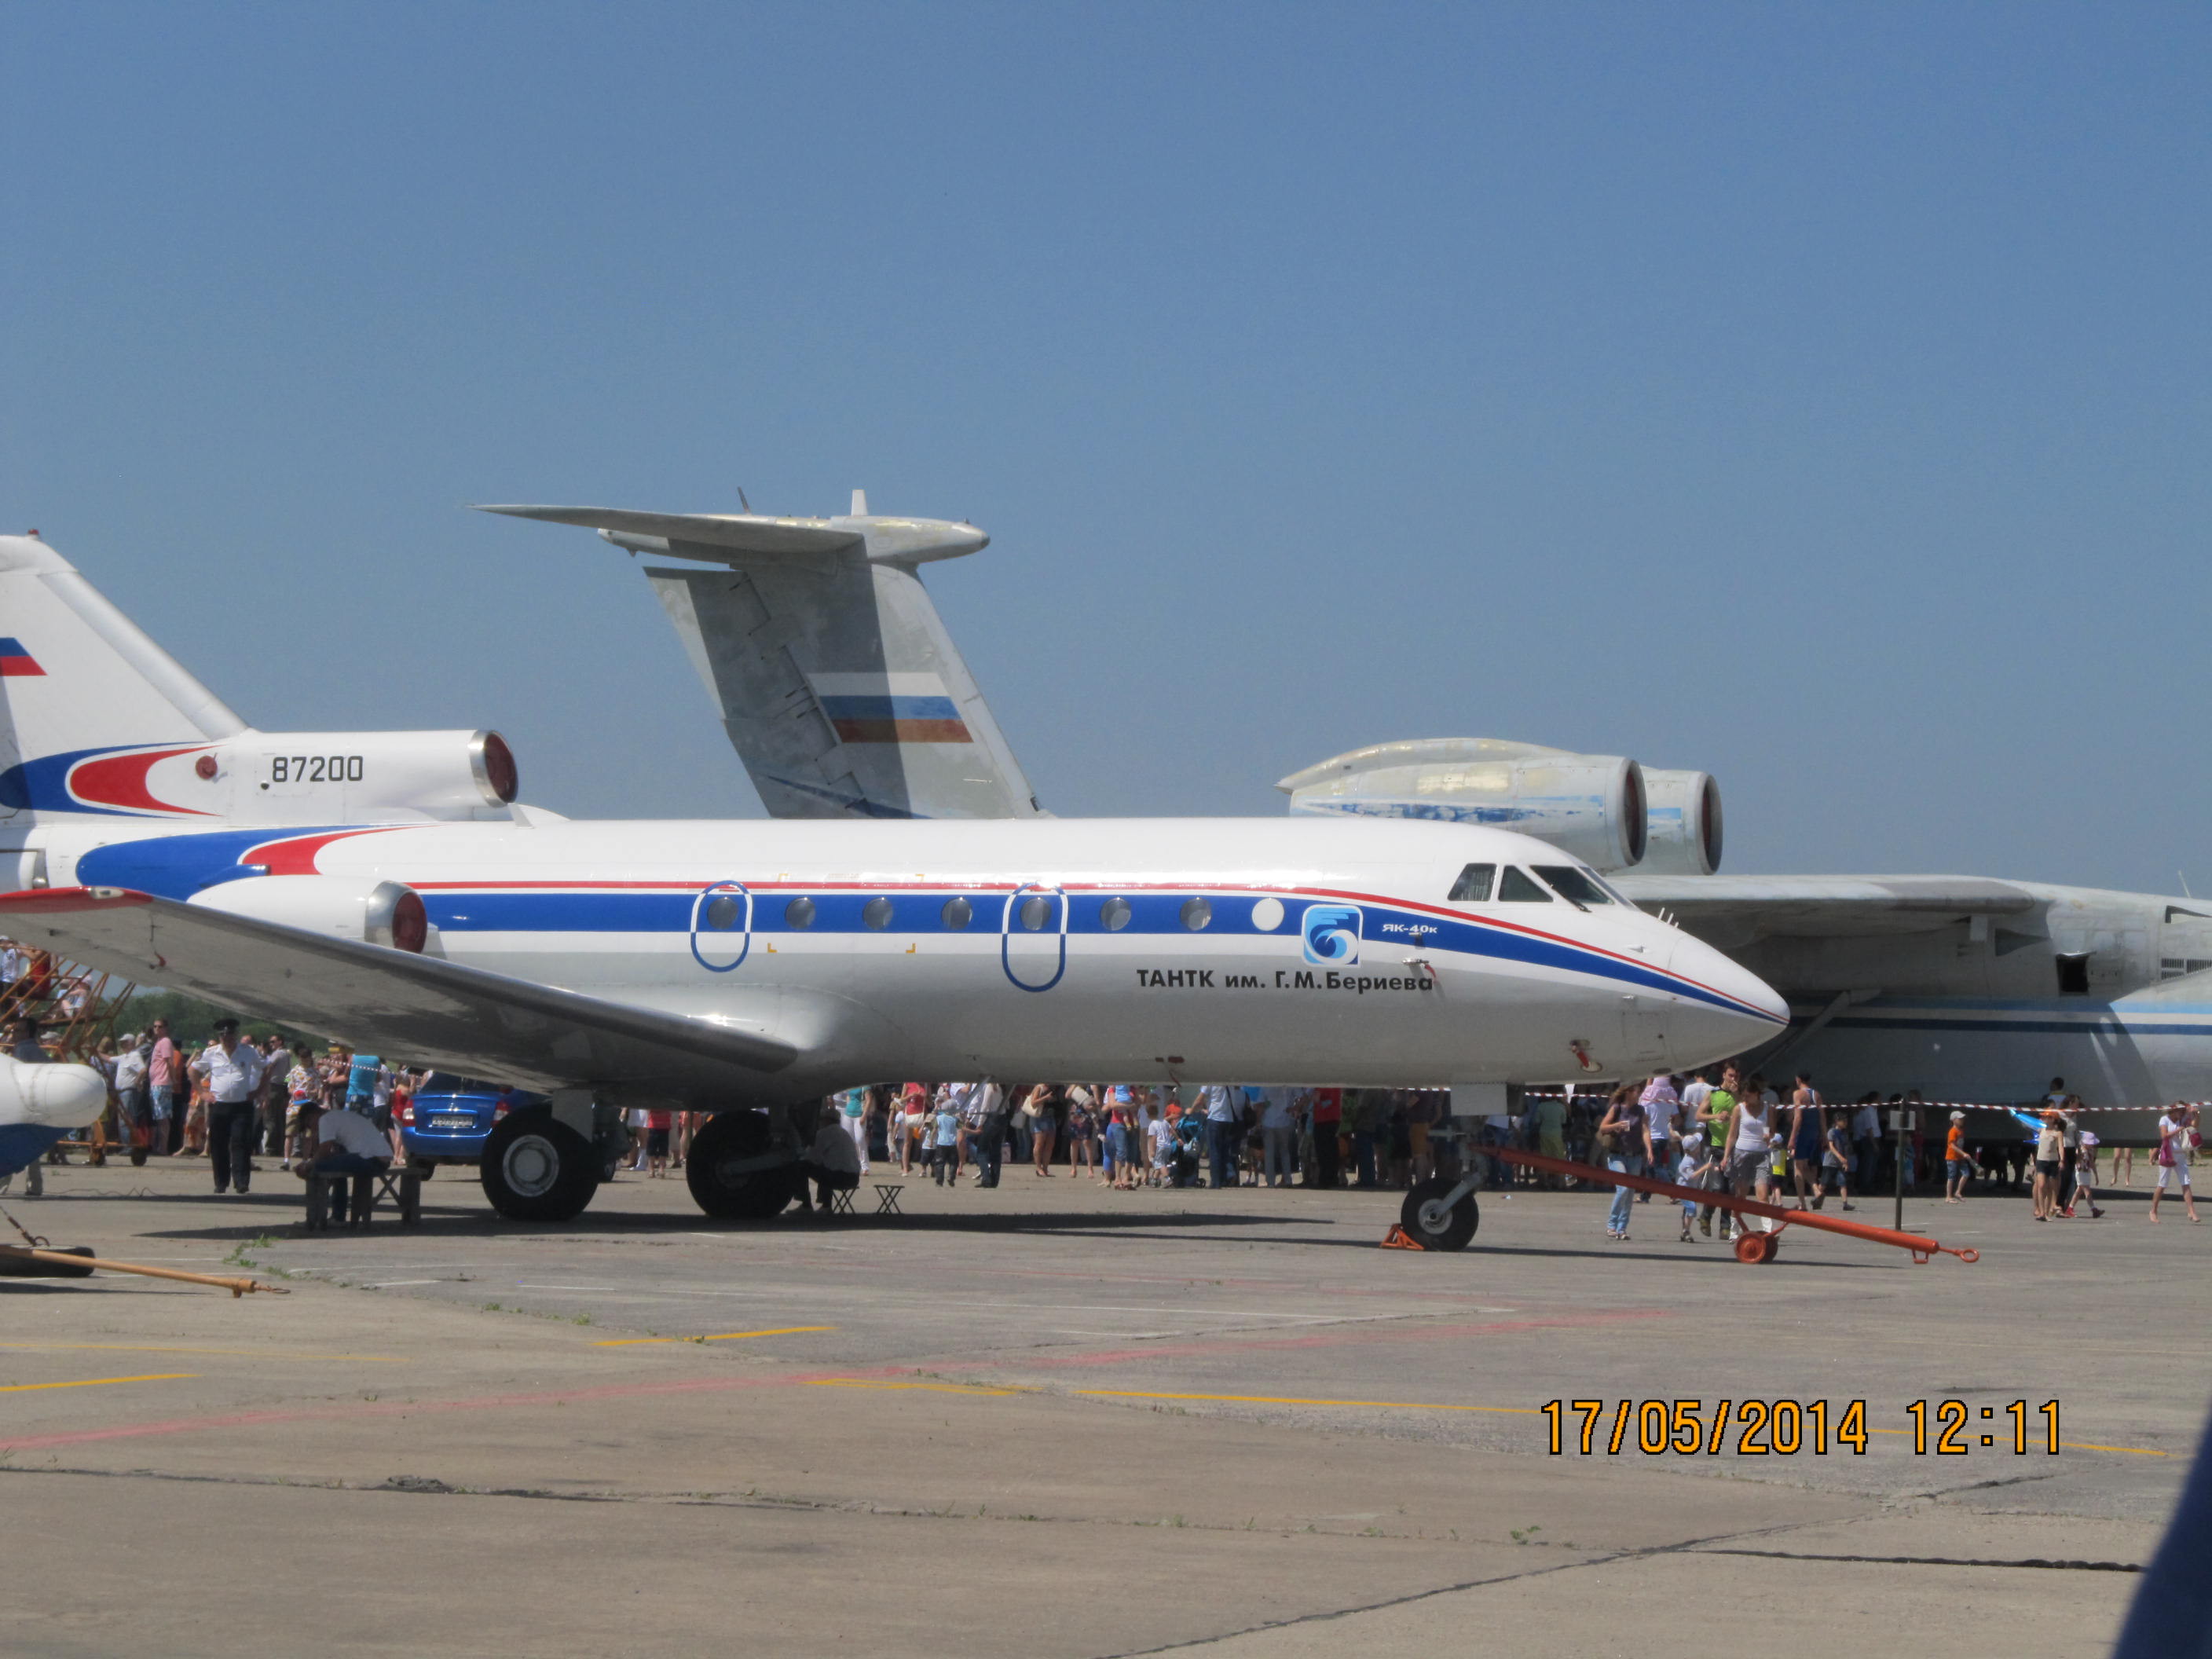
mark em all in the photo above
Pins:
pixel 1327 1115
pixel 657 1126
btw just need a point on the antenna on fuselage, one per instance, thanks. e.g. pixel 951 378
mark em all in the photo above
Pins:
pixel 743 503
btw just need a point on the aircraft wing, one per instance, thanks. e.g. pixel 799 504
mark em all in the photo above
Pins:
pixel 421 1009
pixel 1733 911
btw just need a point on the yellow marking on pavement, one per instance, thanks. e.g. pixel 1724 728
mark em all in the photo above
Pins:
pixel 98 1382
pixel 2133 1451
pixel 725 1336
pixel 243 1353
pixel 927 1387
pixel 1280 1400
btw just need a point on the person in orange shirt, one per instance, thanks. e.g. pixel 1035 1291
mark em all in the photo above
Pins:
pixel 1958 1162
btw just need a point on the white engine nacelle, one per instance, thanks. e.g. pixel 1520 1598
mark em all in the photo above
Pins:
pixel 1591 805
pixel 369 913
pixel 1609 812
pixel 309 777
pixel 1685 824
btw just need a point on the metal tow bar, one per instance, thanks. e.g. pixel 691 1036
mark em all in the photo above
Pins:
pixel 1749 1246
pixel 67 1264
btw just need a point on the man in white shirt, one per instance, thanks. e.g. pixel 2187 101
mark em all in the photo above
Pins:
pixel 232 1072
pixel 832 1163
pixel 349 1143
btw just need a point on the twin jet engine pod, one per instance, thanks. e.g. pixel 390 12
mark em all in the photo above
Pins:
pixel 1603 809
pixel 309 777
pixel 345 907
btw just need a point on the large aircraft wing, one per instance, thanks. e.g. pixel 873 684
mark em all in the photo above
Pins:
pixel 837 682
pixel 1733 911
pixel 388 1001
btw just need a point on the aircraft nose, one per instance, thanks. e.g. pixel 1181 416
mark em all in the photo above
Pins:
pixel 1737 1010
pixel 58 1097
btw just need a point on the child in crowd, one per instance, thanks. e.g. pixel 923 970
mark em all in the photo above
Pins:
pixel 1158 1141
pixel 656 1125
pixel 945 1156
pixel 1696 1166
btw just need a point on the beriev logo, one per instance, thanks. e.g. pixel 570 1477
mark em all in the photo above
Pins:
pixel 1332 934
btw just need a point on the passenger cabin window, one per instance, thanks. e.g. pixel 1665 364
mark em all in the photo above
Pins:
pixel 1474 884
pixel 1517 888
pixel 1572 885
pixel 2073 973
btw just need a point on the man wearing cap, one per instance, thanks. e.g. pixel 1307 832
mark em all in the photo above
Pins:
pixel 231 1071
pixel 1958 1162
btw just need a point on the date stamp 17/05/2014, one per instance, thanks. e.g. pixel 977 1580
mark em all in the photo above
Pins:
pixel 1786 1428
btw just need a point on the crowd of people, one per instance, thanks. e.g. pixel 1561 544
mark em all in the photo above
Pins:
pixel 1128 1136
pixel 232 1099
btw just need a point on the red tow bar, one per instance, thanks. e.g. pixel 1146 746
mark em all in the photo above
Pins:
pixel 1749 1247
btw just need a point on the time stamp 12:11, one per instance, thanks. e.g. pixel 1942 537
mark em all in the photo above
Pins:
pixel 1766 1428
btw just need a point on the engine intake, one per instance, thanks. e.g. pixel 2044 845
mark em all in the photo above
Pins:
pixel 369 913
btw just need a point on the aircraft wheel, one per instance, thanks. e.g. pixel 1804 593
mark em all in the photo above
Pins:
pixel 1433 1227
pixel 535 1167
pixel 730 1138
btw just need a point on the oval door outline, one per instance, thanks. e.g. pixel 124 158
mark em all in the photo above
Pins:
pixel 742 934
pixel 1008 930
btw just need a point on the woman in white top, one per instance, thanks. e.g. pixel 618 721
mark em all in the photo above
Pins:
pixel 2176 1139
pixel 1750 1140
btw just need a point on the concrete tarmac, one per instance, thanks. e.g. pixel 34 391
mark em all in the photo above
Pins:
pixel 1053 1419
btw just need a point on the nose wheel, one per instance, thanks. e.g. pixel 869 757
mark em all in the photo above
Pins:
pixel 1438 1216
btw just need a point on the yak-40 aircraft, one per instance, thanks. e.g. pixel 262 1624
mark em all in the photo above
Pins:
pixel 1966 988
pixel 385 889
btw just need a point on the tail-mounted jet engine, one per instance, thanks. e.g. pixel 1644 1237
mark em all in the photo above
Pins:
pixel 1604 809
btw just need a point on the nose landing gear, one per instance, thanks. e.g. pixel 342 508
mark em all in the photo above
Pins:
pixel 1440 1214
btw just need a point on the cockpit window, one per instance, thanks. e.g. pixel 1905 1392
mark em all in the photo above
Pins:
pixel 1474 884
pixel 1516 889
pixel 1573 886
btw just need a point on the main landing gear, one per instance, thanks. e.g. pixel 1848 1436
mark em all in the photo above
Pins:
pixel 1440 1214
pixel 736 1171
pixel 535 1167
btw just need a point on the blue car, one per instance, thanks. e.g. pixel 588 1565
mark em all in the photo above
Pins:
pixel 452 1117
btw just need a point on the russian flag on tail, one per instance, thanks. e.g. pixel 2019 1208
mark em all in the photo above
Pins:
pixel 889 709
pixel 14 660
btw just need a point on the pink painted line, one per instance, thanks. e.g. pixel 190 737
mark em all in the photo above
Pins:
pixel 1366 1336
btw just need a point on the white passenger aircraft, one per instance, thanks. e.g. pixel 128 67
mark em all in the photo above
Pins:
pixel 385 890
pixel 1965 988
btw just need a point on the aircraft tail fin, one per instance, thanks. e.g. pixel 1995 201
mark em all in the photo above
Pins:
pixel 77 677
pixel 838 682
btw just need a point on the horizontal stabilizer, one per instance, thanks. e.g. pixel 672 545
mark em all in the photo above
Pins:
pixel 739 532
pixel 421 1009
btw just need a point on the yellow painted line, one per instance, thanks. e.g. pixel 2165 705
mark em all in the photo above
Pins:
pixel 2133 1451
pixel 927 1387
pixel 98 1382
pixel 725 1336
pixel 1280 1400
pixel 245 1353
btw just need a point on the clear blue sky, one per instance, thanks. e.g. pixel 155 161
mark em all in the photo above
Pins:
pixel 1814 394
